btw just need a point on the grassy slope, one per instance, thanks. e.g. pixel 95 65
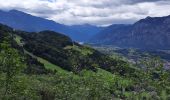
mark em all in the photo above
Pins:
pixel 84 50
pixel 104 75
pixel 46 63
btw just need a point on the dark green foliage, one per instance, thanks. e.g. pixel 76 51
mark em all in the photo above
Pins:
pixel 62 51
pixel 11 66
pixel 62 87
pixel 33 66
pixel 48 45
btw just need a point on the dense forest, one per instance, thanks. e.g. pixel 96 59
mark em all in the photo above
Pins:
pixel 50 66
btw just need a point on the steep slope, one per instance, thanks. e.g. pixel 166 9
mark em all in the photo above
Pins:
pixel 90 79
pixel 21 20
pixel 112 34
pixel 59 50
pixel 151 33
pixel 26 22
pixel 33 66
pixel 148 33
pixel 62 51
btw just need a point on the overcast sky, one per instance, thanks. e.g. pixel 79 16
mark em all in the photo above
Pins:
pixel 95 12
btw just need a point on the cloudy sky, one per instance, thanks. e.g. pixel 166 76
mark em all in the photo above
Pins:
pixel 95 12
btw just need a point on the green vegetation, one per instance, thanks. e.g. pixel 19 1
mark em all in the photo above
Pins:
pixel 83 50
pixel 61 51
pixel 46 63
pixel 31 71
pixel 11 65
pixel 50 66
pixel 18 40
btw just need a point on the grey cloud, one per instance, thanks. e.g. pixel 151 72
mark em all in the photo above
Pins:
pixel 96 12
pixel 141 1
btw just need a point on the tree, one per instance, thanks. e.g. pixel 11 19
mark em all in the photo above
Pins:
pixel 11 64
pixel 155 75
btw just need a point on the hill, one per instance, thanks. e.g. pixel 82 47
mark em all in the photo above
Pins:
pixel 60 50
pixel 69 55
pixel 58 68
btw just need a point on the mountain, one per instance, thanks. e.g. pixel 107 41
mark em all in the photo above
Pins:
pixel 23 21
pixel 87 31
pixel 26 22
pixel 112 34
pixel 148 33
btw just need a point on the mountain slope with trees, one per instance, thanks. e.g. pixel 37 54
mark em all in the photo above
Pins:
pixel 64 52
pixel 89 74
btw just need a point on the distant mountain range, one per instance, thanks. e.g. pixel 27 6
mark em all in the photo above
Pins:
pixel 87 31
pixel 26 22
pixel 149 33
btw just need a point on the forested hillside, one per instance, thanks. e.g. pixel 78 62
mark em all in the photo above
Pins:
pixel 50 66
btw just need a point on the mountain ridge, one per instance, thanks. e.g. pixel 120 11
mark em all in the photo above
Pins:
pixel 148 33
pixel 27 22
